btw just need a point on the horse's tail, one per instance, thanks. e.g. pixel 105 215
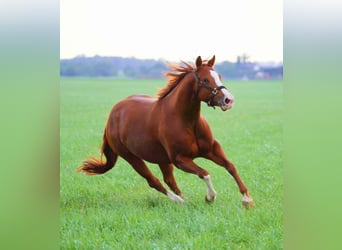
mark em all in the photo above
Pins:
pixel 94 166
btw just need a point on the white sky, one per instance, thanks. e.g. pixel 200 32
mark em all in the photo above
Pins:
pixel 172 30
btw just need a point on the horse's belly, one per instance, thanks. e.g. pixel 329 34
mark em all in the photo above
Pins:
pixel 148 150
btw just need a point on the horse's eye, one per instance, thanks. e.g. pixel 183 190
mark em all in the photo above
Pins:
pixel 205 81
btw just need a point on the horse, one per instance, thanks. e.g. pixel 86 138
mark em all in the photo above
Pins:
pixel 169 130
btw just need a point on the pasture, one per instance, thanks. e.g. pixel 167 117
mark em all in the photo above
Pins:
pixel 118 210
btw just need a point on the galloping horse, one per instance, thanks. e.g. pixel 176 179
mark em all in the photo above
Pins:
pixel 169 131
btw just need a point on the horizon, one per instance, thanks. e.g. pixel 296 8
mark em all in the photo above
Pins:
pixel 166 60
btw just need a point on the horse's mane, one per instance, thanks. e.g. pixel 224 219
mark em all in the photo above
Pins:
pixel 174 77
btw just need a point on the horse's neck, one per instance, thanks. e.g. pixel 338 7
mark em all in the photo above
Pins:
pixel 183 101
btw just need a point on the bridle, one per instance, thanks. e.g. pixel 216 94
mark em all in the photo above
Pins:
pixel 202 84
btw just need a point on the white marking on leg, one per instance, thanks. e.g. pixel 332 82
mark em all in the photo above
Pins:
pixel 247 201
pixel 211 193
pixel 174 197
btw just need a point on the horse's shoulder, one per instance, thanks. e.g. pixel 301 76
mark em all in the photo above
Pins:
pixel 204 136
pixel 203 129
pixel 203 123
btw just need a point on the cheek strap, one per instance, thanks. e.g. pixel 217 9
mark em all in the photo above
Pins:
pixel 214 91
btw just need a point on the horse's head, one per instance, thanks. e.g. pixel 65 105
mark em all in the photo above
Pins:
pixel 209 86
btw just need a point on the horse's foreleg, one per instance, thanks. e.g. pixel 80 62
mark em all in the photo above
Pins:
pixel 187 164
pixel 217 155
pixel 169 179
pixel 211 193
pixel 141 168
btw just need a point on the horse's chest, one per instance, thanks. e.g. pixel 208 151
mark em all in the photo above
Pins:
pixel 204 145
pixel 190 140
pixel 204 140
pixel 199 144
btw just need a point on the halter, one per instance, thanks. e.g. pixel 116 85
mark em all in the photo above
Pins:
pixel 214 91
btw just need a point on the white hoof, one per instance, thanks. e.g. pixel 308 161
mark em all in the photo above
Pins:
pixel 247 201
pixel 174 197
pixel 210 196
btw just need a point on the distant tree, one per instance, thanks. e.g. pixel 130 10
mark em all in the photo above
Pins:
pixel 245 58
pixel 238 60
pixel 128 71
pixel 227 69
pixel 98 66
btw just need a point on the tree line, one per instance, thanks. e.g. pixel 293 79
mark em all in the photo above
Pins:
pixel 120 67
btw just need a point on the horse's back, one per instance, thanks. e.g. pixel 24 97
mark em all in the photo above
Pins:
pixel 134 105
pixel 132 110
pixel 140 99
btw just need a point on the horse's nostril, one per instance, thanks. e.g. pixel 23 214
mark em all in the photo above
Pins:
pixel 226 100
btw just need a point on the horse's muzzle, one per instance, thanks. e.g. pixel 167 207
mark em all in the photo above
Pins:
pixel 226 101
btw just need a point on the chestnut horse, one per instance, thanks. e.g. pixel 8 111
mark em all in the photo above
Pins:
pixel 169 131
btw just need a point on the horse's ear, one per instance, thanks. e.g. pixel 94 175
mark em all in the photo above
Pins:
pixel 198 61
pixel 211 62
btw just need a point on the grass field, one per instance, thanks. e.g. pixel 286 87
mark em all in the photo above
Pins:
pixel 119 210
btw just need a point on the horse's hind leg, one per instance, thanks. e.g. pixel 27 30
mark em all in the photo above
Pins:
pixel 167 170
pixel 141 168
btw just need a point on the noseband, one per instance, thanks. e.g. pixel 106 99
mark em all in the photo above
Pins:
pixel 214 91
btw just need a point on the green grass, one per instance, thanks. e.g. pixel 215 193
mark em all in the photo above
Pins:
pixel 119 210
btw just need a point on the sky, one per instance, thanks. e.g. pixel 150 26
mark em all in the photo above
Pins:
pixel 172 30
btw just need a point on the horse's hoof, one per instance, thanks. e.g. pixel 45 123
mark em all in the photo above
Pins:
pixel 247 202
pixel 175 198
pixel 210 199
